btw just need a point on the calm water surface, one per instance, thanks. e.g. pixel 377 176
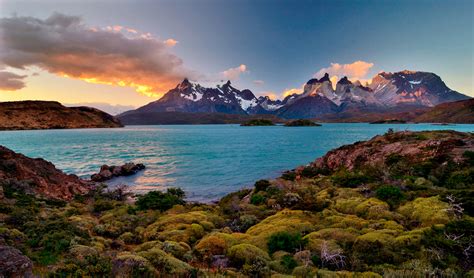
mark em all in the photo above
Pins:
pixel 207 161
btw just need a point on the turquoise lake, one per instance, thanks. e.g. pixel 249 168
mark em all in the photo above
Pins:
pixel 207 161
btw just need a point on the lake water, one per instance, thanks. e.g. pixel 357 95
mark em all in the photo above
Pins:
pixel 207 161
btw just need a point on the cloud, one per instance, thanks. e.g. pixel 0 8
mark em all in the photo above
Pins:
pixel 106 107
pixel 171 42
pixel 64 45
pixel 10 81
pixel 270 94
pixel 292 91
pixel 356 70
pixel 234 73
pixel 259 82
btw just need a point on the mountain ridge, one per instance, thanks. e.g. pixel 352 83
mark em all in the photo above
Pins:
pixel 388 92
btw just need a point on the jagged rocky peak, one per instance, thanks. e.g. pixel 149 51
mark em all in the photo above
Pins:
pixel 315 80
pixel 344 81
pixel 184 84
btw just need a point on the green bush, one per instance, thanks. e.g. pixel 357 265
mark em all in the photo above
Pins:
pixel 262 185
pixel 349 179
pixel 158 200
pixel 453 242
pixel 257 199
pixel 285 241
pixel 461 179
pixel 389 193
pixel 288 262
pixel 103 205
pixel 469 156
pixel 289 175
pixel 393 159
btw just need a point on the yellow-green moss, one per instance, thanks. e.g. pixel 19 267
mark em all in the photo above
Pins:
pixel 165 262
pixel 373 208
pixel 183 227
pixel 292 221
pixel 245 253
pixel 426 211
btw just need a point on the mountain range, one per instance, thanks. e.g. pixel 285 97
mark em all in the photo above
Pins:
pixel 387 93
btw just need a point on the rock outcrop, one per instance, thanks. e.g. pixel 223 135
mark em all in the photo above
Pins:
pixel 19 115
pixel 418 146
pixel 108 172
pixel 14 264
pixel 38 176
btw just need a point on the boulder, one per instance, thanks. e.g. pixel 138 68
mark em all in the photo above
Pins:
pixel 13 263
pixel 108 172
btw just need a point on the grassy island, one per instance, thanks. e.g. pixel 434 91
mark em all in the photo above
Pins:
pixel 390 121
pixel 398 205
pixel 301 122
pixel 258 122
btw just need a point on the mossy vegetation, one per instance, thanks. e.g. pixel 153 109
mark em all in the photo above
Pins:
pixel 405 218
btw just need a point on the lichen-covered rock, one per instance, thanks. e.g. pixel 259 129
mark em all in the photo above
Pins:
pixel 13 263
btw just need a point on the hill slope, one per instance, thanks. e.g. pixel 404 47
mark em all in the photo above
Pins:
pixel 19 115
pixel 452 112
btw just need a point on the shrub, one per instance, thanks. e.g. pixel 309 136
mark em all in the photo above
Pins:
pixel 257 199
pixel 310 171
pixel 288 263
pixel 103 205
pixel 285 241
pixel 262 185
pixel 469 156
pixel 349 179
pixel 289 175
pixel 461 179
pixel 389 193
pixel 393 159
pixel 245 253
pixel 161 201
pixel 453 242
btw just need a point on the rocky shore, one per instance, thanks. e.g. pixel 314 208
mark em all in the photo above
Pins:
pixel 398 205
pixel 108 172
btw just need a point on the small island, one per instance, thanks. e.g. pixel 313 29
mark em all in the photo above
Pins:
pixel 258 122
pixel 301 122
pixel 389 121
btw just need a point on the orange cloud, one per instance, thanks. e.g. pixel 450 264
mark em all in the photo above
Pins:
pixel 65 46
pixel 270 95
pixel 171 42
pixel 357 70
pixel 234 73
pixel 289 92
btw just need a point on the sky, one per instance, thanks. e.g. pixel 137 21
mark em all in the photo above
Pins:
pixel 128 53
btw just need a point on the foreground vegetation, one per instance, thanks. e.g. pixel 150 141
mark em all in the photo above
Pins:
pixel 406 217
